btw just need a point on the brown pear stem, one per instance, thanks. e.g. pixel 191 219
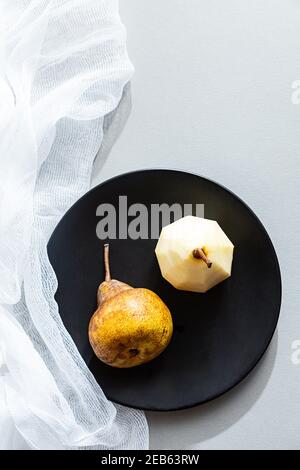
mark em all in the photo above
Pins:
pixel 106 262
pixel 199 254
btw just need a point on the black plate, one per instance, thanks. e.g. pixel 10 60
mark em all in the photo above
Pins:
pixel 218 336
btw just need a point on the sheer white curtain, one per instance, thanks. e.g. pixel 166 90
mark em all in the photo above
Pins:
pixel 63 68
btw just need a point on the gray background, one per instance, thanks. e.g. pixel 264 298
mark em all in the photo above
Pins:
pixel 212 94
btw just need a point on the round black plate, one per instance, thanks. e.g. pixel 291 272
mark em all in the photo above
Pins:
pixel 218 336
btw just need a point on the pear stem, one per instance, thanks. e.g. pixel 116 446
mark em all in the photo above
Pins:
pixel 106 262
pixel 199 254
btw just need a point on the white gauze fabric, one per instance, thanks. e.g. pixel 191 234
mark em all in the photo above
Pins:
pixel 63 68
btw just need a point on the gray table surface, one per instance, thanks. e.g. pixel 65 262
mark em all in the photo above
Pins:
pixel 212 93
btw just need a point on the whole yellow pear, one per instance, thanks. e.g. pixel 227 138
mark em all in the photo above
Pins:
pixel 131 326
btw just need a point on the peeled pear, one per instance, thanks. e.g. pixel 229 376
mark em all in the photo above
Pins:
pixel 194 254
pixel 131 326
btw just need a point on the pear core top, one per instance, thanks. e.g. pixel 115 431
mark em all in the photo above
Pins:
pixel 199 253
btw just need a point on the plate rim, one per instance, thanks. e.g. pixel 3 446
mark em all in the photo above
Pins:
pixel 229 191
